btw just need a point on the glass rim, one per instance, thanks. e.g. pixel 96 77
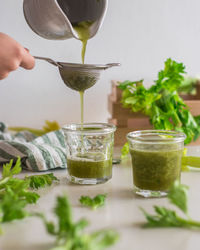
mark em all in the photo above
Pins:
pixel 164 136
pixel 91 128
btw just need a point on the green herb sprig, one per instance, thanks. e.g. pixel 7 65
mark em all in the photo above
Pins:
pixel 39 181
pixel 93 203
pixel 70 235
pixel 16 193
pixel 164 217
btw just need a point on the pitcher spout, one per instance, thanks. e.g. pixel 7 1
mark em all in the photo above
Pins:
pixel 56 19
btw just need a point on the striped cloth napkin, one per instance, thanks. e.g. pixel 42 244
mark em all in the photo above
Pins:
pixel 37 153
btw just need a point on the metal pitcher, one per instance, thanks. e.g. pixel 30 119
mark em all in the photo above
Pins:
pixel 54 19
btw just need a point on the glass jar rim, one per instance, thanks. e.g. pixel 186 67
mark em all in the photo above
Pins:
pixel 89 128
pixel 156 136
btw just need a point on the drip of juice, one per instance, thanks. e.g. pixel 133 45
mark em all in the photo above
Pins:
pixel 83 31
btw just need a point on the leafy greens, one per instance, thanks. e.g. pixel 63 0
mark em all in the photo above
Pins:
pixel 94 203
pixel 164 217
pixel 188 85
pixel 161 102
pixel 38 181
pixel 16 193
pixel 70 235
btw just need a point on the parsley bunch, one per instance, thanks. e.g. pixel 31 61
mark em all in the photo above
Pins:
pixel 161 102
pixel 16 193
pixel 164 217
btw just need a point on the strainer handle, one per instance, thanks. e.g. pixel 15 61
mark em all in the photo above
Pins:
pixel 49 60
pixel 109 65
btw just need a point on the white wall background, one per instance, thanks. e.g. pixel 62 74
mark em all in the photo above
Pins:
pixel 140 34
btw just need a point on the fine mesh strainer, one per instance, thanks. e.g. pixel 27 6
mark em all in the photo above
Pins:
pixel 79 77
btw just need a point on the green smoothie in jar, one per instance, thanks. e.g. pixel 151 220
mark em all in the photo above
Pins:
pixel 90 166
pixel 156 170
pixel 156 160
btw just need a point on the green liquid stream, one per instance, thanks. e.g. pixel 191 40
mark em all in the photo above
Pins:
pixel 82 106
pixel 83 31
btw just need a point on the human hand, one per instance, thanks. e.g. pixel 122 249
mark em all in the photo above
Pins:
pixel 12 56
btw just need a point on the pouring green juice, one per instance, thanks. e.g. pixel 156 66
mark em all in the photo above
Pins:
pixel 83 31
pixel 87 165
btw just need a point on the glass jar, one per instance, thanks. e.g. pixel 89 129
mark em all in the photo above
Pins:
pixel 156 160
pixel 89 152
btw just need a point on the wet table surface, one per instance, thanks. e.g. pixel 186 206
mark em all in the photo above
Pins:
pixel 121 213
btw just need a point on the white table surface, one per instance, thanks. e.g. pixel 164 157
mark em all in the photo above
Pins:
pixel 121 213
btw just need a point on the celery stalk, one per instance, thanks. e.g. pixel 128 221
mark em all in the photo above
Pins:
pixel 192 161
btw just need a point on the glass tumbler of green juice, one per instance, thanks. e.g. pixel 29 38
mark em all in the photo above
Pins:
pixel 156 160
pixel 89 152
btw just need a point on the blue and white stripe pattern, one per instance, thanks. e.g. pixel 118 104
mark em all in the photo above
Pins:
pixel 37 153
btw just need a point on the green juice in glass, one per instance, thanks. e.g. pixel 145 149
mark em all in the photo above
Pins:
pixel 156 170
pixel 90 166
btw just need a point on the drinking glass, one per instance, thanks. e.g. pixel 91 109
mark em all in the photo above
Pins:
pixel 156 160
pixel 89 152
